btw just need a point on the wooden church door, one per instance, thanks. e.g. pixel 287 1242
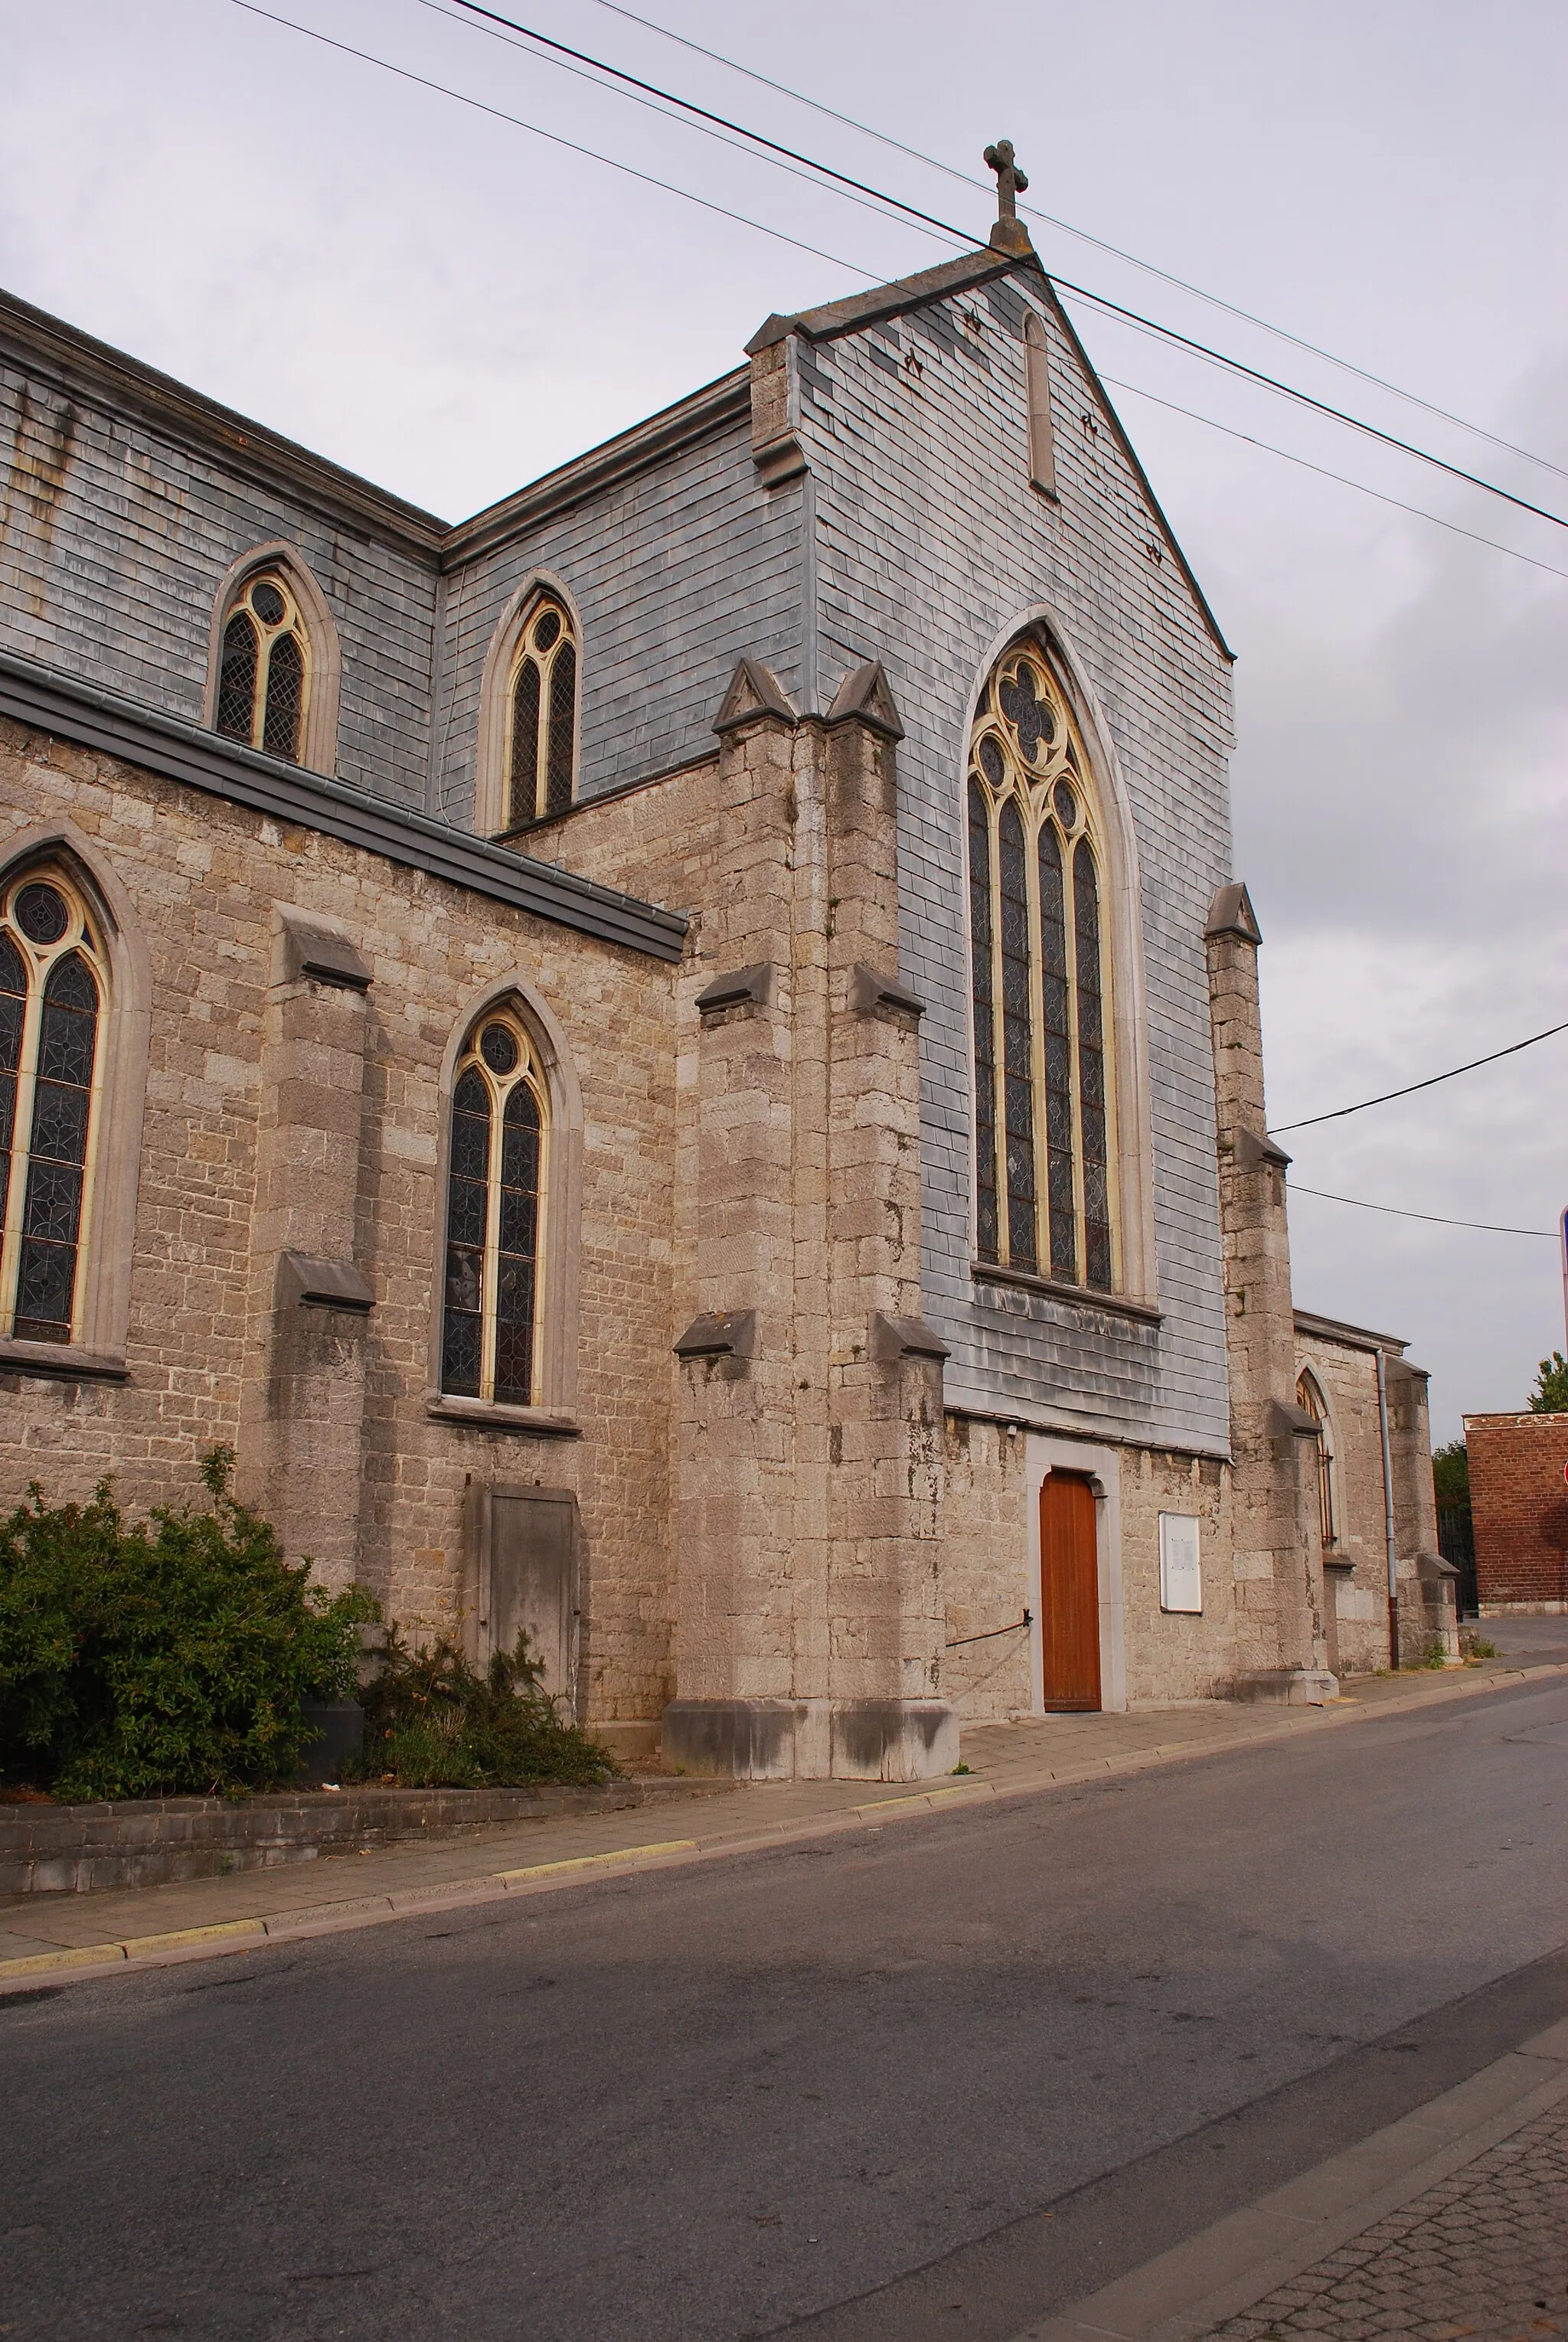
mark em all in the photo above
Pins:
pixel 1069 1593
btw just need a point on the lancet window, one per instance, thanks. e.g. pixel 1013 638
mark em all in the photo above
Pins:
pixel 491 1333
pixel 52 989
pixel 1044 1109
pixel 541 716
pixel 264 675
pixel 1309 1399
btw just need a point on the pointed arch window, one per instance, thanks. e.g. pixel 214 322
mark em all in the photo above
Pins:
pixel 496 1199
pixel 1044 1117
pixel 541 716
pixel 1311 1400
pixel 53 987
pixel 265 669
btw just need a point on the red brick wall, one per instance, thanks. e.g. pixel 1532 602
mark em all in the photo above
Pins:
pixel 1519 1501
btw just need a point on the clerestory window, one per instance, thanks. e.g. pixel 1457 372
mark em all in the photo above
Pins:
pixel 1044 1106
pixel 264 670
pixel 53 987
pixel 541 716
pixel 496 1200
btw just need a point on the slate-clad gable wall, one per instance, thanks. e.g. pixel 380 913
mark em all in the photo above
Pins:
pixel 676 574
pixel 931 543
pixel 115 539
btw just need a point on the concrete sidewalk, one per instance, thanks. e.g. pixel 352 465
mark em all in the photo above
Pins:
pixel 46 1935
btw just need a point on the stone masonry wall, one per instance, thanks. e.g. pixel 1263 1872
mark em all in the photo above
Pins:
pixel 1518 1502
pixel 205 881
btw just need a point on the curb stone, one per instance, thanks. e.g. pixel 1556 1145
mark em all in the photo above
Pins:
pixel 371 1910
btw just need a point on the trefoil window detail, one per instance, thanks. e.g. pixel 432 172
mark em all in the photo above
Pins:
pixel 264 672
pixel 1044 1125
pixel 541 717
pixel 491 1333
pixel 53 988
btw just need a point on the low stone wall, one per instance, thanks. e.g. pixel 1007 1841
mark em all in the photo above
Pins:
pixel 46 1848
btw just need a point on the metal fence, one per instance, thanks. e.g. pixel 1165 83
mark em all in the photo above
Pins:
pixel 1456 1543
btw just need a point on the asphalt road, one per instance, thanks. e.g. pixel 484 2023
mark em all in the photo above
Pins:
pixel 926 2082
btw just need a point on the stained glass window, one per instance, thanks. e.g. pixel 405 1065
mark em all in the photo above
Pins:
pixel 1043 1111
pixel 1309 1399
pixel 542 718
pixel 495 1198
pixel 263 671
pixel 52 990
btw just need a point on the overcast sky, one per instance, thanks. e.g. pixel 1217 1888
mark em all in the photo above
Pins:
pixel 452 306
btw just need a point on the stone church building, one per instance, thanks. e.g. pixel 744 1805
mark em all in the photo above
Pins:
pixel 678 1062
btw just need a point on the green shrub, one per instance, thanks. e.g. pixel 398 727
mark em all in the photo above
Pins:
pixel 166 1657
pixel 432 1721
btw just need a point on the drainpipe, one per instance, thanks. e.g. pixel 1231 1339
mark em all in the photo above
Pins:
pixel 1388 1517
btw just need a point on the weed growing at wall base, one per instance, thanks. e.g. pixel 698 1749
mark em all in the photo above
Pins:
pixel 432 1721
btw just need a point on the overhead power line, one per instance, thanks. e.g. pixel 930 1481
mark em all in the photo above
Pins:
pixel 773 149
pixel 854 188
pixel 1082 235
pixel 1436 1219
pixel 1268 447
pixel 1430 1083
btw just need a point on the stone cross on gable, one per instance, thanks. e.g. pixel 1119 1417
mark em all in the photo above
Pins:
pixel 1011 181
pixel 1009 233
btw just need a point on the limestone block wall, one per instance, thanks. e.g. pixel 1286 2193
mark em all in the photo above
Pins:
pixel 202 883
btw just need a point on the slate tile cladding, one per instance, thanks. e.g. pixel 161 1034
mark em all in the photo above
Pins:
pixel 931 546
pixel 114 539
pixel 677 573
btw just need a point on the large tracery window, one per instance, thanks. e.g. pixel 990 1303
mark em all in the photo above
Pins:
pixel 264 677
pixel 541 717
pixel 53 988
pixel 1044 1120
pixel 491 1333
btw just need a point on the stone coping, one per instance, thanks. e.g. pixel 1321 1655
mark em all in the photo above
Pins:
pixel 52 1849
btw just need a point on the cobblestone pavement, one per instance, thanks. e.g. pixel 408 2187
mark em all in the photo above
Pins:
pixel 1482 2255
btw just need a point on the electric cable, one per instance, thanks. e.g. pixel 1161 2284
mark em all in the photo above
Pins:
pixel 422 81
pixel 1437 1219
pixel 1231 430
pixel 1082 235
pixel 843 179
pixel 1430 1083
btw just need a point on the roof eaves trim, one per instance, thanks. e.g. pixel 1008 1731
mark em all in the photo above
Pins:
pixel 1354 1337
pixel 887 300
pixel 111 724
pixel 714 408
pixel 95 369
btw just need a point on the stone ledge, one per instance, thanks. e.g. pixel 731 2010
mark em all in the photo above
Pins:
pixel 75 1849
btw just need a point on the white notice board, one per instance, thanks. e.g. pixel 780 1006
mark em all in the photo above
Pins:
pixel 1181 1577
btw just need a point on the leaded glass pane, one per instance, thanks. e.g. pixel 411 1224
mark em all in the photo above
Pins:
pixel 41 914
pixel 524 776
pixel 467 1211
pixel 518 1238
pixel 237 679
pixel 1058 1058
pixel 1015 1039
pixel 980 941
pixel 547 631
pixel 57 1153
pixel 1092 1070
pixel 268 604
pixel 498 1047
pixel 285 698
pixel 562 721
pixel 13 988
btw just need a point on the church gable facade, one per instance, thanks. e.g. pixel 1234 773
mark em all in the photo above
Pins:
pixel 676 1064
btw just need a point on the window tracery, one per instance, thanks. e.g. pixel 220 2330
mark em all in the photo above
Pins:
pixel 265 668
pixel 52 989
pixel 1045 1114
pixel 541 716
pixel 491 1329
